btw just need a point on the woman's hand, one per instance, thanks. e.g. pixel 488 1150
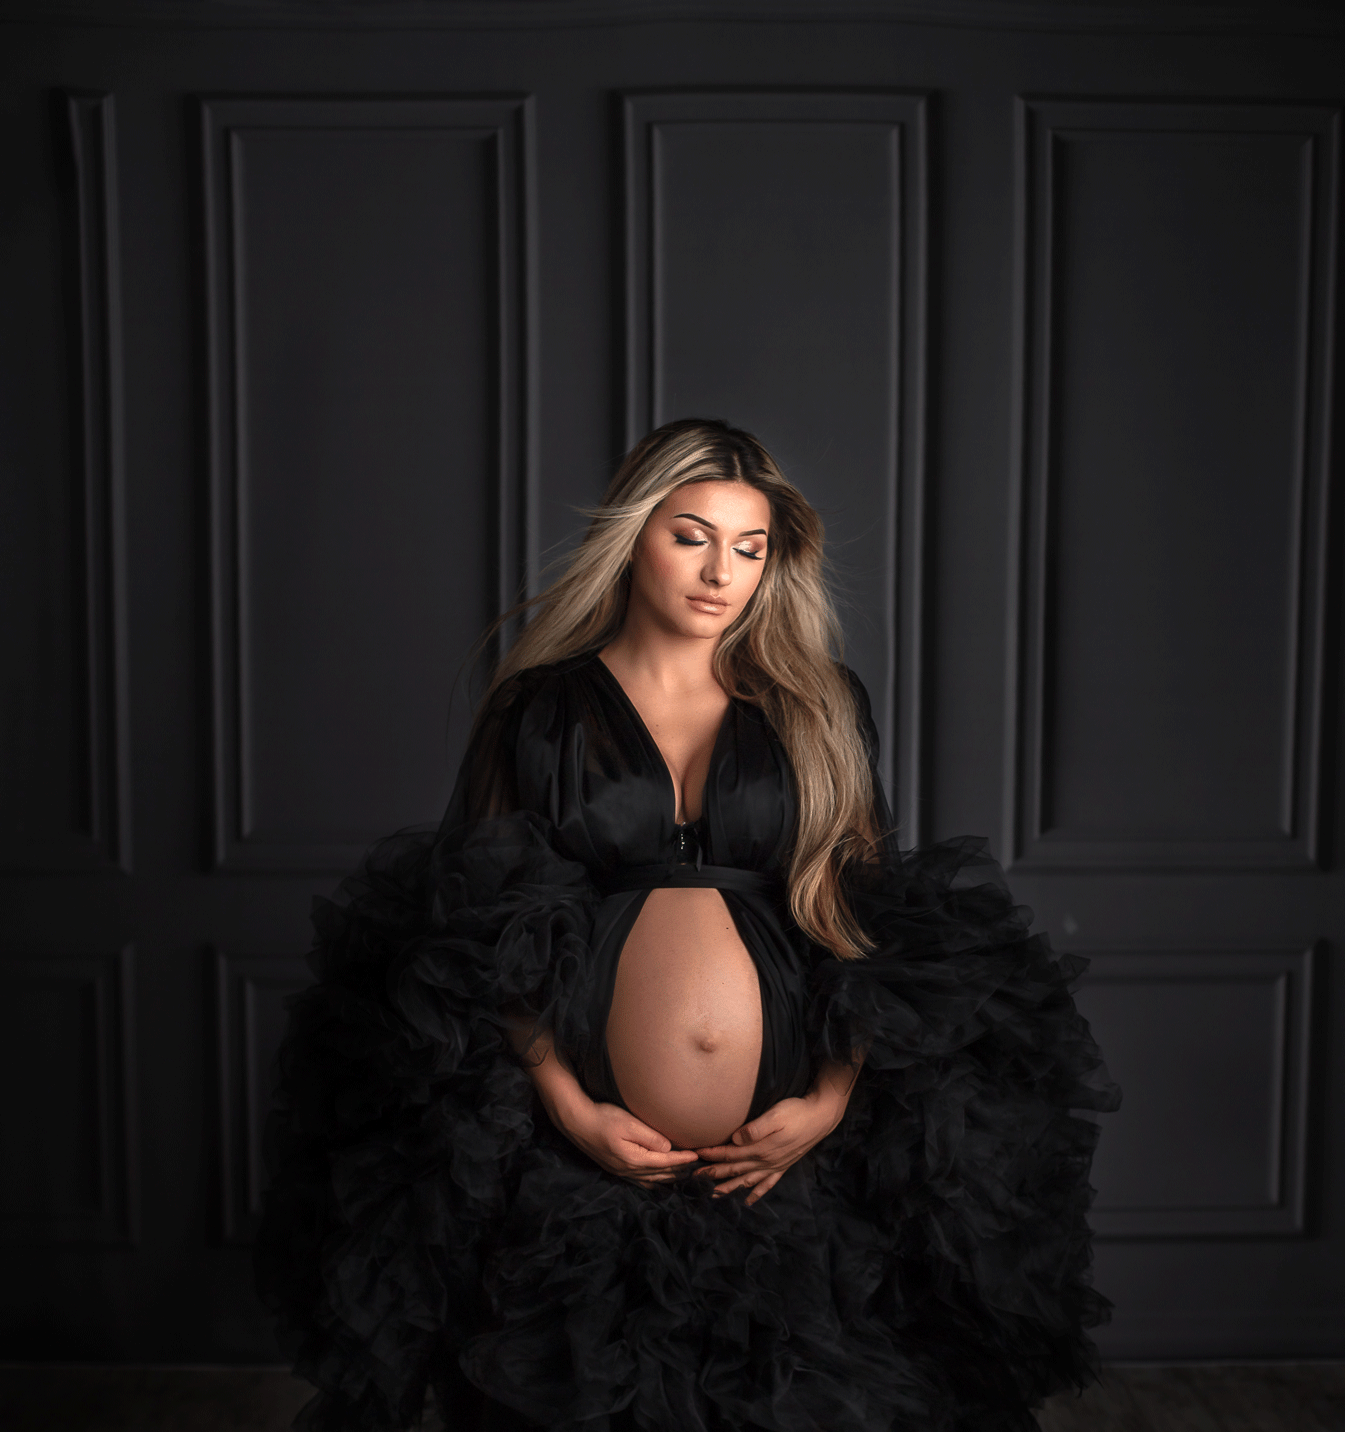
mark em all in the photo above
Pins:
pixel 760 1152
pixel 613 1138
pixel 618 1142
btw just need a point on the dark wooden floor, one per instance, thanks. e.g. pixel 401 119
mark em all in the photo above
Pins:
pixel 1217 1397
pixel 1229 1397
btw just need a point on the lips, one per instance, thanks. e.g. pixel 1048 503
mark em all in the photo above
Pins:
pixel 711 606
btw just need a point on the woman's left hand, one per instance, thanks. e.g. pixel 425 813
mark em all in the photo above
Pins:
pixel 760 1152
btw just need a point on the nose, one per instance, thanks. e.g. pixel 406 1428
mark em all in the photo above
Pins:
pixel 717 570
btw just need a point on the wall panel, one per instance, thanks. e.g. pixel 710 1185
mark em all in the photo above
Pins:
pixel 369 516
pixel 776 277
pixel 1212 1050
pixel 63 758
pixel 1176 293
pixel 67 1121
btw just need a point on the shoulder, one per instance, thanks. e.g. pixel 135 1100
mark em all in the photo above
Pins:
pixel 859 692
pixel 868 727
pixel 537 703
pixel 522 688
pixel 515 739
pixel 857 688
pixel 834 708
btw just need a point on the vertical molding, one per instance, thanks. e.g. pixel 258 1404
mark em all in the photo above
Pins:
pixel 100 838
pixel 907 545
pixel 517 373
pixel 528 520
pixel 1304 784
pixel 92 133
pixel 109 979
pixel 226 1096
pixel 899 702
pixel 1015 604
pixel 506 121
pixel 1028 842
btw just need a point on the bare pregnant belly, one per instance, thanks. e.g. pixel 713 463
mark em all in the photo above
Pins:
pixel 684 1028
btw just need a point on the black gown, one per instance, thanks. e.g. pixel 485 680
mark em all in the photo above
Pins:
pixel 925 1267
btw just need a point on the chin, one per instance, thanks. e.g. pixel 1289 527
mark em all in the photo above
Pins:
pixel 699 624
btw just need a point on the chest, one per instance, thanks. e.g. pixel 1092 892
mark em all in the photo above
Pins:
pixel 590 763
pixel 685 733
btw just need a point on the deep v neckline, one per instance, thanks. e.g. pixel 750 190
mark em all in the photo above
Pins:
pixel 642 727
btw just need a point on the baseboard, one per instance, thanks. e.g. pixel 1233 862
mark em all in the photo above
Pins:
pixel 1170 1336
pixel 57 1397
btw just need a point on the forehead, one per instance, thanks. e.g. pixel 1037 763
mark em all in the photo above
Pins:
pixel 727 504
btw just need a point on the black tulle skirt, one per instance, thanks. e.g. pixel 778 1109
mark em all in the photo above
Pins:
pixel 926 1267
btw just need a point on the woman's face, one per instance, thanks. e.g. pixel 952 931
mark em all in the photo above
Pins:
pixel 700 557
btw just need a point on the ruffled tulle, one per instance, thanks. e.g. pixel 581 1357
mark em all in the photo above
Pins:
pixel 402 1110
pixel 962 1135
pixel 925 1268
pixel 691 1311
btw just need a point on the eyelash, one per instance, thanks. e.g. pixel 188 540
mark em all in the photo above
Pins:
pixel 691 542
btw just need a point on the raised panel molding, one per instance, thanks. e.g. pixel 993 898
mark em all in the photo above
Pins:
pixel 70 1136
pixel 1053 819
pixel 99 837
pixel 1228 1136
pixel 249 991
pixel 882 137
pixel 499 129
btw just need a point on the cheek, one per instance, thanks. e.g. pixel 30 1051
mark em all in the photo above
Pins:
pixel 751 580
pixel 663 569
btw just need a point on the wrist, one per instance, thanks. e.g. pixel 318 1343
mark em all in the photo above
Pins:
pixel 565 1101
pixel 830 1096
pixel 826 1099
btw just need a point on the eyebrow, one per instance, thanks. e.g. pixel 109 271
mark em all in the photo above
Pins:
pixel 753 532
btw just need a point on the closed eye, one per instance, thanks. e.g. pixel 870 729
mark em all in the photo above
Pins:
pixel 702 542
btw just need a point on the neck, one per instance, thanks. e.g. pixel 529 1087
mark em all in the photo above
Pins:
pixel 646 651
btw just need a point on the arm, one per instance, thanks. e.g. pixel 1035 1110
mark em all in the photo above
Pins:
pixel 836 1082
pixel 611 1136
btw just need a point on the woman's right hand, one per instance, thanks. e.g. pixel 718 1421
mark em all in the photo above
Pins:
pixel 617 1141
pixel 611 1136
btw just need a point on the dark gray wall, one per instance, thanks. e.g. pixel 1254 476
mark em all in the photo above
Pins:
pixel 315 323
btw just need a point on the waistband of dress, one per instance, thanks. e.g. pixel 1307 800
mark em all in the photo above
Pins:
pixel 691 877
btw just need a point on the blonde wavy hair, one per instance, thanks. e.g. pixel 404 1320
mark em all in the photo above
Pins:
pixel 776 654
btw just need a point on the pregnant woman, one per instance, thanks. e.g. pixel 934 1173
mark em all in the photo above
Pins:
pixel 657 1088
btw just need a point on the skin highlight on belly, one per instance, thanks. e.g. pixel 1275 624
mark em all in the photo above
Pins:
pixel 684 1028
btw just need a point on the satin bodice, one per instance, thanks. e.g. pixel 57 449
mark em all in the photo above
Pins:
pixel 584 759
